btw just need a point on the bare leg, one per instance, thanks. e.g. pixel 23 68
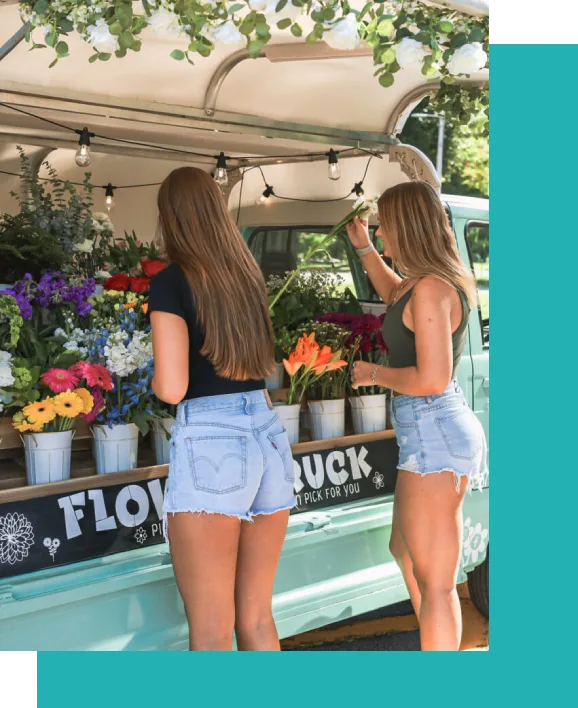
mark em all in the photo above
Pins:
pixel 204 553
pixel 259 550
pixel 430 522
pixel 400 552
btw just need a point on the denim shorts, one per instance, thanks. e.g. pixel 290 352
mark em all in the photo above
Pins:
pixel 440 433
pixel 229 455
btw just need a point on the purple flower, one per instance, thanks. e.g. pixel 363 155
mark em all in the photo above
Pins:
pixel 23 304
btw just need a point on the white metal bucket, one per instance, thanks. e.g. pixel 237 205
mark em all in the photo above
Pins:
pixel 161 444
pixel 327 419
pixel 289 416
pixel 47 456
pixel 116 448
pixel 368 413
pixel 275 381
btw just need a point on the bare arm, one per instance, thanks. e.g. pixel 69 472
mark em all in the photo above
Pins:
pixel 384 279
pixel 171 356
pixel 431 308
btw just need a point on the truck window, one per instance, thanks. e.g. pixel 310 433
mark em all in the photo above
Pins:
pixel 280 250
pixel 478 240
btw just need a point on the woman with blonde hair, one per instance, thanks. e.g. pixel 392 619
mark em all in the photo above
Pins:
pixel 442 447
pixel 230 484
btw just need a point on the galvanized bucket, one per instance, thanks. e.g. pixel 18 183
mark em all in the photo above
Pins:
pixel 116 448
pixel 289 416
pixel 368 413
pixel 275 381
pixel 47 456
pixel 161 431
pixel 327 419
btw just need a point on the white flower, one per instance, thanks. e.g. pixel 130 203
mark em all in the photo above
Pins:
pixel 85 246
pixel 102 274
pixel 343 34
pixel 16 538
pixel 368 205
pixel 409 51
pixel 100 37
pixel 125 355
pixel 289 12
pixel 6 376
pixel 59 332
pixel 5 357
pixel 475 541
pixel 468 59
pixel 163 21
pixel 227 33
pixel 257 5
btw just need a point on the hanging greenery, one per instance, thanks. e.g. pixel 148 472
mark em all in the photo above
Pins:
pixel 445 44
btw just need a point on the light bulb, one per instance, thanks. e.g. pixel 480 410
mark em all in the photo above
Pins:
pixel 221 176
pixel 82 157
pixel 334 170
pixel 109 196
pixel 265 198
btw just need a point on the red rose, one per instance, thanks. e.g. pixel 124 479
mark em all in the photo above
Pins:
pixel 117 282
pixel 151 268
pixel 139 285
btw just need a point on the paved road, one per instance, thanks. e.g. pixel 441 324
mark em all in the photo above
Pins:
pixel 389 629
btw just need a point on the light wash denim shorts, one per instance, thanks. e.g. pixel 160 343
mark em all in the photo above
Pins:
pixel 440 433
pixel 229 455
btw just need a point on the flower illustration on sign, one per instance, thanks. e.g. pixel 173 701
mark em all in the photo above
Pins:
pixel 475 541
pixel 140 535
pixel 16 538
pixel 53 544
pixel 378 480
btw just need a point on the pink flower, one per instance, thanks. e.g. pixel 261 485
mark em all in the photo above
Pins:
pixel 98 375
pixel 99 404
pixel 60 380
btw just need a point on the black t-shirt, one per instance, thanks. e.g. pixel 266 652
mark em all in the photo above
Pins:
pixel 170 292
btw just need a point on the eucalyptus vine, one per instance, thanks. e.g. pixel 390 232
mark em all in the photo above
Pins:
pixel 444 43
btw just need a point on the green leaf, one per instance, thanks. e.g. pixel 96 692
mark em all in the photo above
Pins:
pixel 459 40
pixel 386 79
pixel 51 39
pixel 115 28
pixel 236 7
pixel 120 53
pixel 446 26
pixel 203 50
pixel 40 7
pixel 92 58
pixel 388 56
pixel 263 30
pixel 123 14
pixel 136 45
pixel 296 30
pixel 65 25
pixel 476 35
pixel 248 25
pixel 178 54
pixel 53 63
pixel 37 46
pixel 283 24
pixel 385 28
pixel 280 5
pixel 126 40
pixel 256 47
pixel 62 49
pixel 103 56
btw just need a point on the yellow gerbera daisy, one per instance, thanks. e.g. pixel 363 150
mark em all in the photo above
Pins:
pixel 87 399
pixel 41 412
pixel 68 404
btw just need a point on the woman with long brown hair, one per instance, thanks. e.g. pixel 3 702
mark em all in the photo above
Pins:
pixel 442 448
pixel 230 484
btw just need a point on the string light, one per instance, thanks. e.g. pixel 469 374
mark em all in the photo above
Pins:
pixel 333 165
pixel 358 189
pixel 265 198
pixel 82 157
pixel 221 176
pixel 109 196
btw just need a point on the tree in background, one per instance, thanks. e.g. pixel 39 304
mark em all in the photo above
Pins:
pixel 465 152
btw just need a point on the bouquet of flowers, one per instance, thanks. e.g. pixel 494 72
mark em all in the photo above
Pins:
pixel 307 364
pixel 125 351
pixel 364 339
pixel 332 385
pixel 17 382
pixel 77 392
pixel 131 265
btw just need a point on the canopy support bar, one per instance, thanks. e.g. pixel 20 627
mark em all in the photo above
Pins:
pixel 13 42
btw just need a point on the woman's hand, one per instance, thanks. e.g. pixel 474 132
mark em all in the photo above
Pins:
pixel 358 232
pixel 361 374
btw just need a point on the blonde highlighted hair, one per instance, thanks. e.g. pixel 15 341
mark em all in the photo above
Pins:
pixel 420 237
pixel 228 287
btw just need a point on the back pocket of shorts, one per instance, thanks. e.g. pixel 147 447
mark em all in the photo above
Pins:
pixel 218 464
pixel 460 433
pixel 280 442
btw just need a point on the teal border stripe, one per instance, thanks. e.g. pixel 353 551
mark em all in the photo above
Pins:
pixel 534 256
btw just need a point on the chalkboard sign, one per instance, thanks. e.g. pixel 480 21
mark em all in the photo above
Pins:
pixel 68 528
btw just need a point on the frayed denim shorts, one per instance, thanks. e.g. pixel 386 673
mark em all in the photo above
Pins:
pixel 229 455
pixel 440 433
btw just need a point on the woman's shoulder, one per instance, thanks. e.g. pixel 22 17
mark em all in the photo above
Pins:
pixel 433 286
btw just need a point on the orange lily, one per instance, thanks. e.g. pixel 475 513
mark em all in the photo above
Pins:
pixel 293 364
pixel 323 360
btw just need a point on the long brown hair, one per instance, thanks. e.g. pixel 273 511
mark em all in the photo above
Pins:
pixel 228 286
pixel 420 237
